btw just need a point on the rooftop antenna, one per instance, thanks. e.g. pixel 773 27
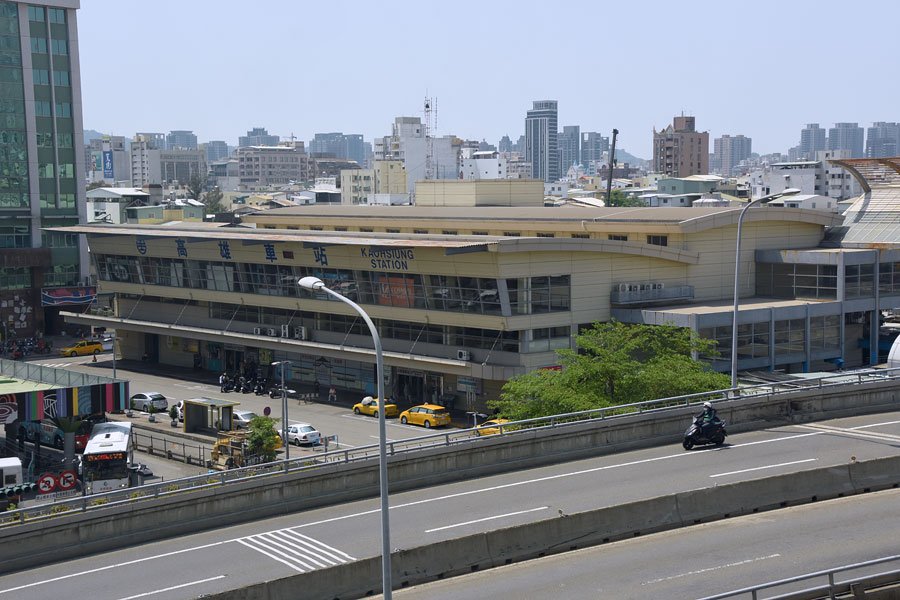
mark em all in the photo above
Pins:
pixel 429 138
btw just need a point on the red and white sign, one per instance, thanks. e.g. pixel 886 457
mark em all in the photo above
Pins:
pixel 67 480
pixel 46 483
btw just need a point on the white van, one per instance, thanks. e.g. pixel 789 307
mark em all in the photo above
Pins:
pixel 10 472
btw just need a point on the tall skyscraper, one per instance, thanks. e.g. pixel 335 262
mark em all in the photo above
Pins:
pixel 505 144
pixel 593 145
pixel 728 152
pixel 569 148
pixel 680 150
pixel 180 139
pixel 883 140
pixel 42 164
pixel 812 139
pixel 847 136
pixel 541 137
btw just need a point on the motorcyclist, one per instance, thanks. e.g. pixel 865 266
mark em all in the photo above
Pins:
pixel 707 419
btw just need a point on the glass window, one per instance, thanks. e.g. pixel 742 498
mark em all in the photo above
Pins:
pixel 61 78
pixel 59 47
pixel 61 275
pixel 15 236
pixel 42 108
pixel 658 240
pixel 67 201
pixel 615 237
pixel 15 278
pixel 40 76
pixel 63 109
pixel 57 15
pixel 38 45
pixel 36 13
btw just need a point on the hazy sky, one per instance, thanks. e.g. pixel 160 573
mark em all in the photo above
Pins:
pixel 761 68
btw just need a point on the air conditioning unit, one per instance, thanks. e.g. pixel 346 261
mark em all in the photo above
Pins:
pixel 658 286
pixel 623 287
pixel 299 332
pixel 633 287
pixel 271 332
pixel 463 355
pixel 285 330
pixel 257 331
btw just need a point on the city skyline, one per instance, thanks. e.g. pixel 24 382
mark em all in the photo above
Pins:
pixel 195 72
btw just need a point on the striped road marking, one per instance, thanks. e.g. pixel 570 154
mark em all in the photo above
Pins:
pixel 299 552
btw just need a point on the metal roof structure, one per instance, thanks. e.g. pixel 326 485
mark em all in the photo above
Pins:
pixel 873 220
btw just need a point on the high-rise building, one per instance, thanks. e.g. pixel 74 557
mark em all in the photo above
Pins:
pixel 812 139
pixel 593 147
pixel 541 137
pixel 154 140
pixel 505 144
pixel 883 140
pixel 181 139
pixel 178 166
pixel 680 150
pixel 569 143
pixel 350 146
pixel 258 136
pixel 145 160
pixel 216 150
pixel 847 136
pixel 408 143
pixel 728 152
pixel 107 161
pixel 42 165
pixel 263 166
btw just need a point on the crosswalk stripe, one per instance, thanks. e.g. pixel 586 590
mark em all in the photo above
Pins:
pixel 297 551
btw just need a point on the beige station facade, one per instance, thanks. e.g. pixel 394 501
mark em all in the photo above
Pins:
pixel 467 297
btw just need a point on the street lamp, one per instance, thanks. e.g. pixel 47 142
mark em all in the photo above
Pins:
pixel 284 424
pixel 317 285
pixel 737 271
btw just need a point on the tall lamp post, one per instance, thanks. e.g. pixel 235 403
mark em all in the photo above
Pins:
pixel 284 424
pixel 737 273
pixel 317 285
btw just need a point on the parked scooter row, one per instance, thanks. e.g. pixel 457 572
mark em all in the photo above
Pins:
pixel 20 348
pixel 244 385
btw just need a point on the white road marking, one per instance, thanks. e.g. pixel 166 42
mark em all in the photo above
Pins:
pixel 512 514
pixel 871 435
pixel 796 462
pixel 297 551
pixel 707 570
pixel 174 587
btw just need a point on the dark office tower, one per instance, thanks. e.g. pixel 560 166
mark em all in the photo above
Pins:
pixel 541 140
pixel 181 139
pixel 338 145
pixel 42 165
pixel 883 140
pixel 569 148
pixel 216 150
pixel 505 144
pixel 847 136
pixel 812 140
pixel 593 145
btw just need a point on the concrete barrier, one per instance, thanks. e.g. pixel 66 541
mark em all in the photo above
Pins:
pixel 564 533
pixel 109 527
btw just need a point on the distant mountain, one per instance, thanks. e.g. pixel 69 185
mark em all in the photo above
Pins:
pixel 624 157
pixel 90 134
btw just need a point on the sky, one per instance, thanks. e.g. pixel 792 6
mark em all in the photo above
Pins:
pixel 762 68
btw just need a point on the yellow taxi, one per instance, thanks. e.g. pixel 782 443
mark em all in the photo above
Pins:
pixel 426 415
pixel 491 427
pixel 82 348
pixel 369 406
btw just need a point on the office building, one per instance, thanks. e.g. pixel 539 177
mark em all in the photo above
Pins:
pixel 883 140
pixel 541 139
pixel 258 136
pixel 482 165
pixel 680 150
pixel 569 148
pixel 593 150
pixel 181 139
pixel 42 167
pixel 813 139
pixel 385 178
pixel 216 150
pixel 262 166
pixel 728 152
pixel 145 161
pixel 848 137
pixel 178 166
pixel 153 140
pixel 108 161
pixel 349 147
pixel 408 144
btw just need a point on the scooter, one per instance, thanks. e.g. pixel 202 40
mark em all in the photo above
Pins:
pixel 694 436
pixel 260 387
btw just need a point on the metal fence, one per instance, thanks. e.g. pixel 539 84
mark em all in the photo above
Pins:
pixel 27 371
pixel 821 584
pixel 447 438
pixel 180 450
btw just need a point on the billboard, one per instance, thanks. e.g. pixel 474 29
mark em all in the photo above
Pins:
pixel 107 164
pixel 68 296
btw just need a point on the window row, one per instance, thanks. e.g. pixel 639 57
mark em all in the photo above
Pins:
pixel 15 278
pixel 527 295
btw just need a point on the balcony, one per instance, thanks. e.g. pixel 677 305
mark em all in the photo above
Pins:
pixel 630 294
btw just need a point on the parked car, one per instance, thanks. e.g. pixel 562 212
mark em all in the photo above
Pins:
pixel 491 427
pixel 82 348
pixel 145 400
pixel 369 406
pixel 241 418
pixel 426 415
pixel 303 433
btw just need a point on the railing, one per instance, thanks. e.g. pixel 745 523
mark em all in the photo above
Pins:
pixel 829 588
pixel 49 375
pixel 678 292
pixel 448 438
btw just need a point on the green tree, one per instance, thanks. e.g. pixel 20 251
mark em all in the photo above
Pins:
pixel 262 438
pixel 213 201
pixel 619 198
pixel 614 364
pixel 195 187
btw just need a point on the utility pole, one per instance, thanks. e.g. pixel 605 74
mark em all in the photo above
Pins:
pixel 612 162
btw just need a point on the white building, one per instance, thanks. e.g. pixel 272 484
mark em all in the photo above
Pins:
pixel 407 143
pixel 145 161
pixel 107 205
pixel 482 165
pixel 811 177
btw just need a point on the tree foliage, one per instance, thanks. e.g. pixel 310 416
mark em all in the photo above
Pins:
pixel 195 187
pixel 614 364
pixel 619 198
pixel 213 201
pixel 262 438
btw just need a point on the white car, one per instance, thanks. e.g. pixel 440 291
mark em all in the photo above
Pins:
pixel 145 400
pixel 303 433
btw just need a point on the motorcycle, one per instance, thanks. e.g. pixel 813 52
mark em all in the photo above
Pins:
pixel 260 387
pixel 695 435
pixel 275 392
pixel 246 386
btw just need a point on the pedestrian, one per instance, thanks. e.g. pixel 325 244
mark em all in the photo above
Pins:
pixel 222 380
pixel 332 394
pixel 316 387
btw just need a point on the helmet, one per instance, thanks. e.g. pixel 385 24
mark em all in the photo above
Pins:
pixel 707 405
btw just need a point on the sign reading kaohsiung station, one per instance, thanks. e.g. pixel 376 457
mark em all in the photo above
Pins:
pixel 388 259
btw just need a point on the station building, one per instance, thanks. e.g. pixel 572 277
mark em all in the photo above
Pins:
pixel 467 297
